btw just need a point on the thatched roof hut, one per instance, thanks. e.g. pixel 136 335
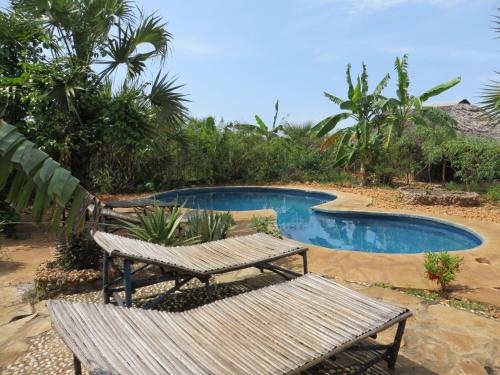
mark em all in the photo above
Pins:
pixel 470 119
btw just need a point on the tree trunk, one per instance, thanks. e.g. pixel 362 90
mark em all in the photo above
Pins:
pixel 443 173
pixel 362 171
pixel 429 172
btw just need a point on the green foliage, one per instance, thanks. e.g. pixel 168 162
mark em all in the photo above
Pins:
pixel 361 142
pixel 491 91
pixel 30 176
pixel 442 267
pixel 209 226
pixel 266 225
pixel 493 193
pixel 160 228
pixel 67 105
pixel 474 159
pixel 78 252
pixel 8 218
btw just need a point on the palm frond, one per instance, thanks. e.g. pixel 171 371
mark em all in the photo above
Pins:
pixel 491 101
pixel 166 100
pixel 334 98
pixel 401 66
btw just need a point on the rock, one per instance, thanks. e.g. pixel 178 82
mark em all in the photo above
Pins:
pixel 11 313
pixel 483 260
pixel 9 353
pixel 438 197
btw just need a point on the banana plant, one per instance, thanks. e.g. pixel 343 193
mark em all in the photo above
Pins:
pixel 358 143
pixel 491 92
pixel 261 128
pixel 29 176
pixel 406 109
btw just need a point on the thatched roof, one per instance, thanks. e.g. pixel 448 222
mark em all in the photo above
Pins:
pixel 470 119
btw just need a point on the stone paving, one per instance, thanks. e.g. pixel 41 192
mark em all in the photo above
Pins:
pixel 438 340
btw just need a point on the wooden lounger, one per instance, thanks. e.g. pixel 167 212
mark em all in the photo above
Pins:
pixel 280 329
pixel 183 263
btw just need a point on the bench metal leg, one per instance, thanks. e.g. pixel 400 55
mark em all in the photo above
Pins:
pixel 77 365
pixel 392 353
pixel 105 277
pixel 304 261
pixel 127 280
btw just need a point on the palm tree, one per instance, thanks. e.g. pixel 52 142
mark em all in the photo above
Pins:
pixel 358 143
pixel 94 38
pixel 406 109
pixel 491 92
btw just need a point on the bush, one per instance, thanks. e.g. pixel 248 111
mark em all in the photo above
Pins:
pixel 78 252
pixel 8 216
pixel 493 193
pixel 209 226
pixel 442 267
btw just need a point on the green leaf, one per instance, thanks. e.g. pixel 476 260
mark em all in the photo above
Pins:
pixel 417 103
pixel 357 91
pixel 350 91
pixel 76 211
pixel 329 123
pixel 439 89
pixel 20 150
pixel 45 172
pixel 261 123
pixel 41 202
pixel 334 98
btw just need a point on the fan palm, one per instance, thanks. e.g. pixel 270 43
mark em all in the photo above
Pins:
pixel 491 92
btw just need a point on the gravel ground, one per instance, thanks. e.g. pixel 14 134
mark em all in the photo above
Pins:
pixel 48 355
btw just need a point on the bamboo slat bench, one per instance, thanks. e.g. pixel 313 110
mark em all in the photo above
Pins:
pixel 183 263
pixel 280 329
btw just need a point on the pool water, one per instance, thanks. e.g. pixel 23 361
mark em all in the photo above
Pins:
pixel 378 233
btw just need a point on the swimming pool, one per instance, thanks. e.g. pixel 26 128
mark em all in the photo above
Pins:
pixel 356 231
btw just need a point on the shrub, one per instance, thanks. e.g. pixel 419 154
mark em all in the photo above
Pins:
pixel 8 216
pixel 442 267
pixel 160 228
pixel 78 252
pixel 266 225
pixel 209 226
pixel 493 193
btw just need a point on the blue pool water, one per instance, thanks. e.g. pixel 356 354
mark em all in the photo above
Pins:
pixel 378 233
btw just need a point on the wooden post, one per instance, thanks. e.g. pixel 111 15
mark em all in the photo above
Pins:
pixel 304 260
pixel 77 365
pixel 394 350
pixel 127 280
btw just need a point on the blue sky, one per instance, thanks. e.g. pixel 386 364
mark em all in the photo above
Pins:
pixel 237 57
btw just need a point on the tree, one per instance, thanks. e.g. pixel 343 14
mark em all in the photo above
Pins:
pixel 408 110
pixel 86 34
pixel 261 128
pixel 491 92
pixel 360 142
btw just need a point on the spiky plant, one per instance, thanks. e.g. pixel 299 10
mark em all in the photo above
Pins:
pixel 160 228
pixel 209 226
pixel 491 92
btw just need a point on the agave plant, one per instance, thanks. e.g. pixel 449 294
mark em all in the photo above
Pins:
pixel 160 228
pixel 27 172
pixel 209 226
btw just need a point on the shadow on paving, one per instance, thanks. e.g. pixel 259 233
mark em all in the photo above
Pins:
pixel 344 363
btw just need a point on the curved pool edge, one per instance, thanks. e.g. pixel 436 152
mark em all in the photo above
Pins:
pixel 351 202
pixel 399 213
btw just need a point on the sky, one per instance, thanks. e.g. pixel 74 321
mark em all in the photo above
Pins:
pixel 235 58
